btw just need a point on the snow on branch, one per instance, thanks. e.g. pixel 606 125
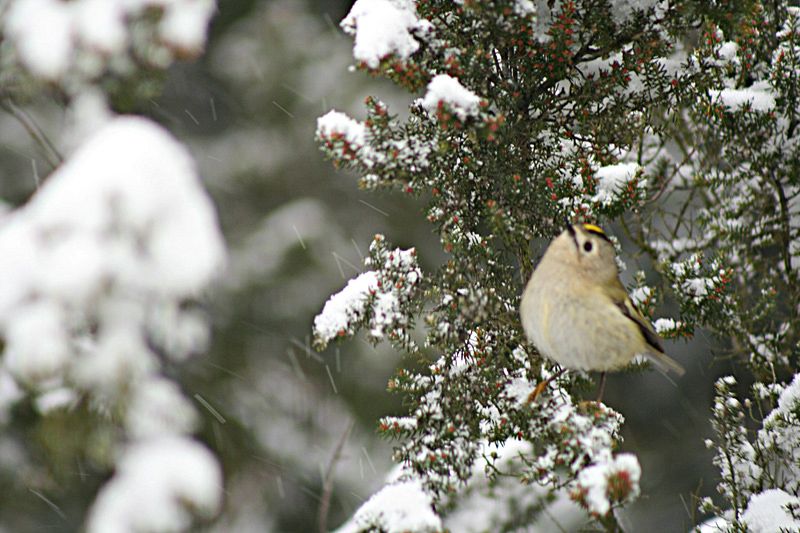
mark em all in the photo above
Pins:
pixel 613 180
pixel 378 298
pixel 346 309
pixel 601 485
pixel 758 476
pixel 758 97
pixel 73 43
pixel 158 484
pixel 399 507
pixel 446 93
pixel 121 231
pixel 383 28
pixel 342 135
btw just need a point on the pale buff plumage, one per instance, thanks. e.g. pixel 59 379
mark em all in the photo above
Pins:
pixel 576 311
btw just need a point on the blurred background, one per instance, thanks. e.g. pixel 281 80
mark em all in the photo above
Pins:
pixel 297 230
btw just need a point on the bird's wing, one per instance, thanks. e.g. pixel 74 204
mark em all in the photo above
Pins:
pixel 623 302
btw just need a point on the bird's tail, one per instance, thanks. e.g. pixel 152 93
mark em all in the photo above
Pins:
pixel 665 363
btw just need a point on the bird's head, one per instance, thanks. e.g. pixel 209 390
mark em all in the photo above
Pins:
pixel 587 248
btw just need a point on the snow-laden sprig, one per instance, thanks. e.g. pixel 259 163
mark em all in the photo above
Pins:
pixel 612 181
pixel 736 457
pixel 380 148
pixel 604 484
pixel 346 310
pixel 760 474
pixel 602 190
pixel 380 299
pixel 342 135
pixel 702 289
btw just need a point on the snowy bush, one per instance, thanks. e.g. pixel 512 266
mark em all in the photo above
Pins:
pixel 531 112
pixel 103 268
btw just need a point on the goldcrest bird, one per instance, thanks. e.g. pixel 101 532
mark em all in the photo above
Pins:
pixel 576 311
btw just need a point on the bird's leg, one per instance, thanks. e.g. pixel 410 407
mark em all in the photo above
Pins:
pixel 543 385
pixel 602 387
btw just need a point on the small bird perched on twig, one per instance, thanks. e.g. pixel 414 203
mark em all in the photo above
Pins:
pixel 576 311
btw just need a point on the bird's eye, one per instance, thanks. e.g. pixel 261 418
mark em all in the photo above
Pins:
pixel 587 246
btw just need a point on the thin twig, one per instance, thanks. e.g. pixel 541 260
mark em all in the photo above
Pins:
pixel 49 151
pixel 327 483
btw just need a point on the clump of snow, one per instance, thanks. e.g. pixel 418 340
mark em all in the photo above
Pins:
pixel 727 51
pixel 37 345
pixel 398 508
pixel 383 28
pixel 788 402
pixel 59 398
pixel 86 114
pixel 520 389
pixel 716 524
pixel 444 89
pixel 640 295
pixel 41 30
pixel 663 325
pixel 605 483
pixel 184 24
pixel 697 286
pixel 767 512
pixel 345 307
pixel 758 96
pixel 118 231
pixel 524 8
pixel 157 485
pixel 335 124
pixel 612 179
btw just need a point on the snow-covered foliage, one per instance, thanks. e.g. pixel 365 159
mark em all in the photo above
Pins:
pixel 103 267
pixel 98 268
pixel 396 508
pixel 605 483
pixel 378 298
pixel 591 112
pixel 445 94
pixel 760 475
pixel 101 258
pixel 78 43
pixel 336 125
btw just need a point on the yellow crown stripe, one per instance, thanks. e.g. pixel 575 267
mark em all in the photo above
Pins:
pixel 594 229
